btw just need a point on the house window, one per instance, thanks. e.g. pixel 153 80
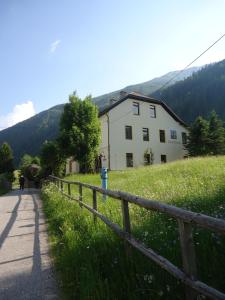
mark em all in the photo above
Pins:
pixel 173 134
pixel 128 132
pixel 145 134
pixel 147 159
pixel 152 111
pixel 184 138
pixel 136 108
pixel 162 136
pixel 163 158
pixel 129 159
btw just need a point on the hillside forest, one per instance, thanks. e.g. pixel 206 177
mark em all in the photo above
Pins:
pixel 197 95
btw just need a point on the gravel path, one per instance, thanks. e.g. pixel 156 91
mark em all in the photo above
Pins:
pixel 25 267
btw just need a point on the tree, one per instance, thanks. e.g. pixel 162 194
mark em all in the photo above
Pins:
pixel 198 139
pixel 6 162
pixel 52 161
pixel 30 167
pixel 6 158
pixel 25 162
pixel 216 135
pixel 80 132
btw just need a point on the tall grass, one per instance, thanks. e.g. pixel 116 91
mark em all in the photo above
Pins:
pixel 92 261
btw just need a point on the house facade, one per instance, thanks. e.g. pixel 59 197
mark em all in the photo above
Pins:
pixel 138 130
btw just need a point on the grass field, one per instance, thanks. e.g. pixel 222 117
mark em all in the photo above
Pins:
pixel 92 262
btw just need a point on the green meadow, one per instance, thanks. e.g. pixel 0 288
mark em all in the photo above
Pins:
pixel 93 263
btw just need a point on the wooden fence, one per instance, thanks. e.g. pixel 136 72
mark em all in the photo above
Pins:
pixel 185 221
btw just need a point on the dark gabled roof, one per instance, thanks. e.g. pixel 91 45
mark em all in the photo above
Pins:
pixel 137 96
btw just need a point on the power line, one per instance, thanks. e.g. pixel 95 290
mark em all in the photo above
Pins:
pixel 165 84
pixel 188 65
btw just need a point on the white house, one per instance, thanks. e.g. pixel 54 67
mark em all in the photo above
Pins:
pixel 139 130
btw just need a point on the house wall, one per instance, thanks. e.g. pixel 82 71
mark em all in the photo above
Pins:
pixel 122 115
pixel 104 149
pixel 71 166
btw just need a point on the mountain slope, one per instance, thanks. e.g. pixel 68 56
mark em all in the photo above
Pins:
pixel 29 135
pixel 199 94
pixel 148 87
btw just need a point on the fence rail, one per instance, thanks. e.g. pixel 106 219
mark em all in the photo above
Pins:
pixel 186 219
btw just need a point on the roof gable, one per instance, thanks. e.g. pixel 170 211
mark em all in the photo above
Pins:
pixel 137 96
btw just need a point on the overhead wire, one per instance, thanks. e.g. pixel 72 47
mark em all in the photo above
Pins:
pixel 188 65
pixel 165 84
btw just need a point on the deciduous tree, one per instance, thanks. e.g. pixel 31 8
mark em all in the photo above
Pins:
pixel 80 131
pixel 52 161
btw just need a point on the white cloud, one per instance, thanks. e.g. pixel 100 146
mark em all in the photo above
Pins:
pixel 54 45
pixel 20 112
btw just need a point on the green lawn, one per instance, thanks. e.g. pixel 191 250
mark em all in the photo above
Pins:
pixel 92 262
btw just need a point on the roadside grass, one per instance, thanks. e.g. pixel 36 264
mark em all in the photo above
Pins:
pixel 16 184
pixel 91 260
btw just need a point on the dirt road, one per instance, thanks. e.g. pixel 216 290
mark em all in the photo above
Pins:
pixel 25 268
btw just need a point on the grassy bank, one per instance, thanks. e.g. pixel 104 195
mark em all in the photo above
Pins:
pixel 91 260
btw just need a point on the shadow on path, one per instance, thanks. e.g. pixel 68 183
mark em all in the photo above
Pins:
pixel 10 223
pixel 35 280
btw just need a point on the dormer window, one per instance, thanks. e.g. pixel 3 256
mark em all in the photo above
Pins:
pixel 152 111
pixel 136 109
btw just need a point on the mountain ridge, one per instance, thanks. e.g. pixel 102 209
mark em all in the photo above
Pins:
pixel 29 135
pixel 146 87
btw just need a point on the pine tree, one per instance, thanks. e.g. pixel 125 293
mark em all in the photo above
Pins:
pixel 216 135
pixel 6 162
pixel 6 159
pixel 198 139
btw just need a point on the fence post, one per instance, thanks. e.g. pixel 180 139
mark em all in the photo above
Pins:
pixel 126 224
pixel 61 185
pixel 80 194
pixel 188 256
pixel 126 216
pixel 69 189
pixel 95 204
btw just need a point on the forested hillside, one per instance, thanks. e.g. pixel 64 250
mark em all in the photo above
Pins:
pixel 148 87
pixel 199 94
pixel 196 95
pixel 29 135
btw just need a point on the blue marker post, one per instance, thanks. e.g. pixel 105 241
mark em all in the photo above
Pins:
pixel 104 177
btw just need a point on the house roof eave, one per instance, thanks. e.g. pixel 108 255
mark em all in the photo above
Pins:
pixel 143 98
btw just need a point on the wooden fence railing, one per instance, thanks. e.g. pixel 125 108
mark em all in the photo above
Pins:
pixel 185 221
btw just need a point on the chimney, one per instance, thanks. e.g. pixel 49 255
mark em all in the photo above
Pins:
pixel 112 101
pixel 123 94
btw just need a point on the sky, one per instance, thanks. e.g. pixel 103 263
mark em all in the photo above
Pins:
pixel 50 48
